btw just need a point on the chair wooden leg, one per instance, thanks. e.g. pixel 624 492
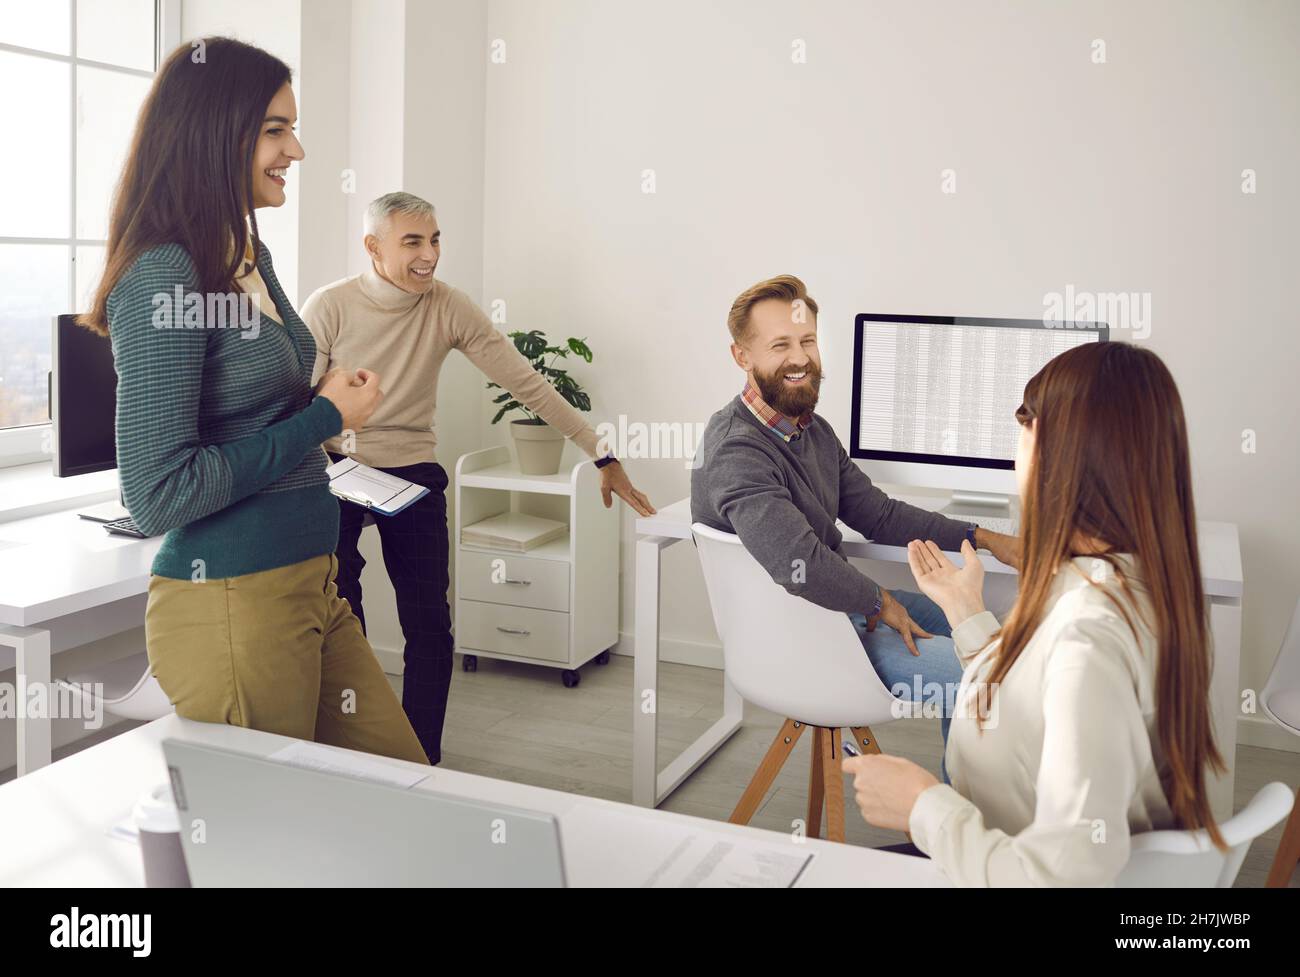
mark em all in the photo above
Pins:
pixel 767 770
pixel 1288 852
pixel 816 786
pixel 833 778
pixel 864 739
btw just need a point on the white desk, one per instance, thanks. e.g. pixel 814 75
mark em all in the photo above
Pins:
pixel 54 822
pixel 1220 566
pixel 64 582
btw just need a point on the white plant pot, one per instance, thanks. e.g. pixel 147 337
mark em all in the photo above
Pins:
pixel 538 447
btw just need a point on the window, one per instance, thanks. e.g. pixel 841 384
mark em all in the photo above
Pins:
pixel 75 73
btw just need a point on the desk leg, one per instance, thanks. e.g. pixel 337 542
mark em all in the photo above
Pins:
pixel 1225 698
pixel 645 672
pixel 32 663
pixel 649 786
pixel 686 762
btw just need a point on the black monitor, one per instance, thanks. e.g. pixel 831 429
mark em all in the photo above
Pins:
pixel 83 399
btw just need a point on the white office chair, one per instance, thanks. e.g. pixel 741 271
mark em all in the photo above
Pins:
pixel 1281 701
pixel 801 661
pixel 1188 859
pixel 129 690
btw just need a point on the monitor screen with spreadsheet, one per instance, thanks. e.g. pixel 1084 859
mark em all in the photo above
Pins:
pixel 944 389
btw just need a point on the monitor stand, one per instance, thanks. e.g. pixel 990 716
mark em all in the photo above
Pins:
pixel 973 505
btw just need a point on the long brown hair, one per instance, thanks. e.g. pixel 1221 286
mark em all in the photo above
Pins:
pixel 188 178
pixel 1111 463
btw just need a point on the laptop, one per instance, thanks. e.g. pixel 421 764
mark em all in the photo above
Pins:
pixel 250 821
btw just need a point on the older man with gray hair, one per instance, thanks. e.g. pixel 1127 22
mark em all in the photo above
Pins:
pixel 396 319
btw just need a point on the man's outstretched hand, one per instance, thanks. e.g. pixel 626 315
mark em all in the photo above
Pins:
pixel 614 481
pixel 1005 548
pixel 895 615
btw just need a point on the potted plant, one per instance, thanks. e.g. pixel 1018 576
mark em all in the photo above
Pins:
pixel 538 445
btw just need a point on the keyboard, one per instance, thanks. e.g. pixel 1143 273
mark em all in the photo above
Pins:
pixel 995 524
pixel 124 527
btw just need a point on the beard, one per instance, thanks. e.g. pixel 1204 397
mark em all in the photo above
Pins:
pixel 791 401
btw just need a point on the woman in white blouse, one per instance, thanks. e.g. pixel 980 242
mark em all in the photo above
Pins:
pixel 1087 716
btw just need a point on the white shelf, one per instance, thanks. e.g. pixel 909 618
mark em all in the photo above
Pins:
pixel 556 549
pixel 509 478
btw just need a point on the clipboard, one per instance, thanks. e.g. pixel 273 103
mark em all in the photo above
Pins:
pixel 372 489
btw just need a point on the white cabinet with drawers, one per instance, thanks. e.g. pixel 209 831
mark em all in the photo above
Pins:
pixel 554 605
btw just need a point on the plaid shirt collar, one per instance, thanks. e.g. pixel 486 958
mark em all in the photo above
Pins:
pixel 785 428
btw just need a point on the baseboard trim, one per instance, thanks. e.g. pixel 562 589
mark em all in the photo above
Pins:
pixel 1262 731
pixel 390 660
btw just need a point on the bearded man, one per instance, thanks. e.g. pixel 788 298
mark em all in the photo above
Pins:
pixel 773 472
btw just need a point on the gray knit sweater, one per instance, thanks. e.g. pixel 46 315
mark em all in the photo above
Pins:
pixel 782 499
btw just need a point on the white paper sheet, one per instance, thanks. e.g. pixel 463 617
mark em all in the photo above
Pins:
pixel 627 849
pixel 713 862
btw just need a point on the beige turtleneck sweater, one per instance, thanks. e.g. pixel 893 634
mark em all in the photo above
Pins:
pixel 1069 768
pixel 366 321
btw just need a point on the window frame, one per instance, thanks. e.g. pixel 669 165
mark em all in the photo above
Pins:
pixel 29 443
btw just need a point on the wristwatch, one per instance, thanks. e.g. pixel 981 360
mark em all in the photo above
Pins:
pixel 970 535
pixel 607 460
pixel 875 611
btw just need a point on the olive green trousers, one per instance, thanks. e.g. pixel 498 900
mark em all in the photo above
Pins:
pixel 278 651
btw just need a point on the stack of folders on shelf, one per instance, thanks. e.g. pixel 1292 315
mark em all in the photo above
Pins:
pixel 374 490
pixel 514 532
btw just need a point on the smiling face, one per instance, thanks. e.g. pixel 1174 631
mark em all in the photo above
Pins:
pixel 779 355
pixel 405 251
pixel 277 147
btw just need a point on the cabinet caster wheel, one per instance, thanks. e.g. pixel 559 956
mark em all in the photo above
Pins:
pixel 469 663
pixel 602 658
pixel 570 678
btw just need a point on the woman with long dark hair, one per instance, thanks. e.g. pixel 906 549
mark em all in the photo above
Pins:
pixel 1085 718
pixel 218 428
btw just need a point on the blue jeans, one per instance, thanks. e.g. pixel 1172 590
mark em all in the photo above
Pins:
pixel 935 676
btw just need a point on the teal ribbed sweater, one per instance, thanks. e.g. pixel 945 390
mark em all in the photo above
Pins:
pixel 218 435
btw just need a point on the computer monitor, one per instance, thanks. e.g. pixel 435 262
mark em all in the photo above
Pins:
pixel 83 399
pixel 934 399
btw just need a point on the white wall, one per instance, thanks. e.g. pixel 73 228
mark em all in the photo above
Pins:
pixel 376 106
pixel 275 26
pixel 1117 176
pixel 324 84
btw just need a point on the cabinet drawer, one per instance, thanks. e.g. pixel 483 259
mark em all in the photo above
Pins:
pixel 507 630
pixel 519 580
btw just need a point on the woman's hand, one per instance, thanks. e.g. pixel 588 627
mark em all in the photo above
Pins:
pixel 355 395
pixel 614 481
pixel 887 787
pixel 959 591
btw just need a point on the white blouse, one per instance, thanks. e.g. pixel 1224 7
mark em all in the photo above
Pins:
pixel 1068 766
